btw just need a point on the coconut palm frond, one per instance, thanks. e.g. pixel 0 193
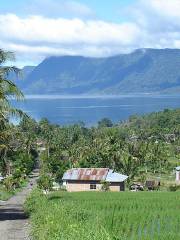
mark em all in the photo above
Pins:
pixel 17 113
pixel 6 70
pixel 6 56
pixel 9 89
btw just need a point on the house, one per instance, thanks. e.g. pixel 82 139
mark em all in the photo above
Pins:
pixel 177 173
pixel 90 179
pixel 150 184
pixel 1 178
pixel 41 145
pixel 170 137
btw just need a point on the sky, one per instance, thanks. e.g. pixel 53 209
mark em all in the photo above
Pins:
pixel 36 29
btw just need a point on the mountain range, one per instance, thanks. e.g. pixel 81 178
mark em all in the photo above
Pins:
pixel 142 71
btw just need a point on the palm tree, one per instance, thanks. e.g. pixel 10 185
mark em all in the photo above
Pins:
pixel 7 90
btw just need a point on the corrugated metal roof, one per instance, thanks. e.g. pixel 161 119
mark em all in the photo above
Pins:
pixel 93 174
pixel 115 177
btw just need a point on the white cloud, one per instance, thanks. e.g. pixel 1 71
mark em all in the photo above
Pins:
pixel 36 29
pixel 156 15
pixel 47 36
pixel 154 23
pixel 165 8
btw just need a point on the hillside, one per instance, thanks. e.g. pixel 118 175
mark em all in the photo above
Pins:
pixel 142 71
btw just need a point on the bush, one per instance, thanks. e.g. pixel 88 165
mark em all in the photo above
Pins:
pixel 173 188
pixel 9 183
pixel 45 182
pixel 17 174
pixel 105 186
pixel 24 162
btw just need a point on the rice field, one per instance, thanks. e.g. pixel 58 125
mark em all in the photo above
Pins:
pixel 105 215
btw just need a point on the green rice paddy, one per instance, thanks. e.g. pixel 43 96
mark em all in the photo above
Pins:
pixel 105 215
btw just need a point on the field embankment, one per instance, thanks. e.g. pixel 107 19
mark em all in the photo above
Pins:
pixel 105 215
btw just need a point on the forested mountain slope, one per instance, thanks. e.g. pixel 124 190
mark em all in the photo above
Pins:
pixel 142 71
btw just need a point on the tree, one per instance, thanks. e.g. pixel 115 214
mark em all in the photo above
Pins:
pixel 7 90
pixel 129 165
pixel 105 122
pixel 46 130
pixel 45 182
pixel 29 128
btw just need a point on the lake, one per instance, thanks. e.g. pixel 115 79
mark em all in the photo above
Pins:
pixel 66 110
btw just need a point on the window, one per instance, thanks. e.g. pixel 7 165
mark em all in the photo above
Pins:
pixel 92 186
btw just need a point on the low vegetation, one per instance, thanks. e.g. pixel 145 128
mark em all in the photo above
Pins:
pixel 104 215
pixel 5 193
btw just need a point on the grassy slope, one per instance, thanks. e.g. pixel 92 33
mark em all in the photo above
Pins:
pixel 106 216
pixel 5 195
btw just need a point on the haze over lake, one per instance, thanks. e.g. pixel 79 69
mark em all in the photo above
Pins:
pixel 67 110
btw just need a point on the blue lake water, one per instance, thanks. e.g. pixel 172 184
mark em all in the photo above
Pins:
pixel 70 110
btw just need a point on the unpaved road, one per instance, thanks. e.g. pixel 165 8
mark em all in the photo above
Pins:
pixel 13 221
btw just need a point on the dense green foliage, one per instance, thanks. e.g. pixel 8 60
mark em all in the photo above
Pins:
pixel 144 70
pixel 44 182
pixel 16 160
pixel 104 215
pixel 139 147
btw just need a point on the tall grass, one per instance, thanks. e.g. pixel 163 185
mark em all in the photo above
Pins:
pixel 105 215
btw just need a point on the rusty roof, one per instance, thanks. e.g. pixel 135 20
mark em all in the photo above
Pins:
pixel 89 174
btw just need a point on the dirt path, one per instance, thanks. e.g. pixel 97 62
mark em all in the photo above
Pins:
pixel 13 221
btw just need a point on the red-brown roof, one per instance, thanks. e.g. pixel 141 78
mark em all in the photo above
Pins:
pixel 92 174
